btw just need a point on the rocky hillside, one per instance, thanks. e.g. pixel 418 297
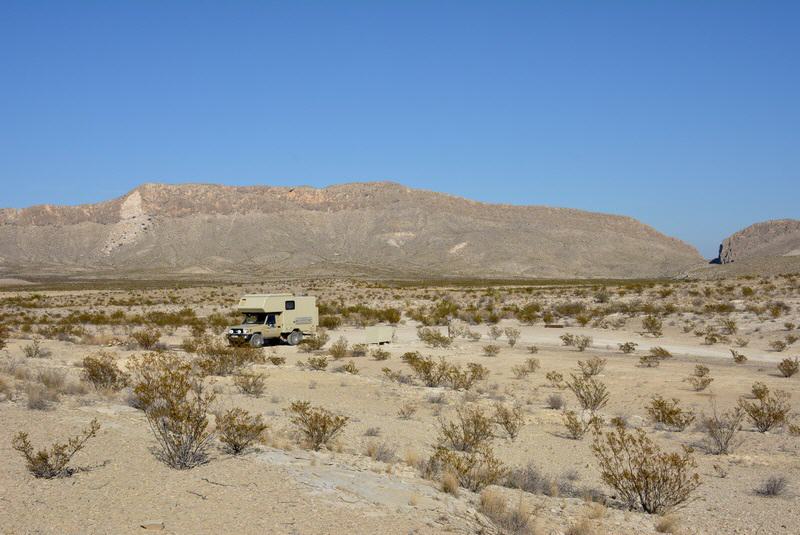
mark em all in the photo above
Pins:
pixel 780 237
pixel 370 229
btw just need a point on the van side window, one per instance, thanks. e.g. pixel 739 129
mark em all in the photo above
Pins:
pixel 289 305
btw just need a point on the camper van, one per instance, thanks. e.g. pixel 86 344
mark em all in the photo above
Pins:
pixel 283 317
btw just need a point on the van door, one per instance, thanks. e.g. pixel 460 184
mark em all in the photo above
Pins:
pixel 272 325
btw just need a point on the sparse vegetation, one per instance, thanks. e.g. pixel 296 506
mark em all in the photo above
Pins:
pixel 146 338
pixel 252 384
pixel 238 430
pixel 667 413
pixel 101 370
pixel 769 410
pixel 789 367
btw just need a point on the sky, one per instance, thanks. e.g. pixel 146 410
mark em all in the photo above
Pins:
pixel 683 114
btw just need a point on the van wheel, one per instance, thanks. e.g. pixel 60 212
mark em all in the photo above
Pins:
pixel 294 338
pixel 256 340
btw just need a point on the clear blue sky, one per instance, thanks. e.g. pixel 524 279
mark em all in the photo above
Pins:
pixel 685 115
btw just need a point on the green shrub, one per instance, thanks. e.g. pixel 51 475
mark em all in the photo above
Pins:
pixel 668 413
pixel 338 349
pixel 652 325
pixel 146 338
pixel 768 410
pixel 252 384
pixel 314 343
pixel 592 394
pixel 510 420
pixel 433 338
pixel 789 367
pixel 591 367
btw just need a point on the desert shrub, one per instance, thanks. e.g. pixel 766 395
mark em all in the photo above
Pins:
pixel 738 357
pixel 533 350
pixel 556 379
pixel 426 369
pixel 380 354
pixel 591 393
pixel 338 349
pixel 649 361
pixel 660 352
pixel 495 332
pixel 359 350
pixel 464 379
pixel 330 322
pixel 471 430
pixel 381 451
pixel 510 420
pixel 217 358
pixel 433 338
pixel 577 425
pixel 628 347
pixel 721 429
pixel 40 398
pixel 348 367
pixel 52 379
pixel 741 342
pixel 474 469
pixel 491 350
pixel 34 350
pixel 653 325
pixel 556 401
pixel 314 343
pixel 789 367
pixel 790 339
pixel 514 521
pixel 146 338
pixel 523 370
pixel 772 486
pixel 644 476
pixel 591 367
pixel 700 379
pixel 250 383
pixel 275 360
pixel 176 405
pixel 768 410
pixel 667 413
pixel 512 335
pixel 238 430
pixel 397 377
pixel 317 363
pixel 729 326
pixel 3 335
pixel 580 342
pixel 53 462
pixel 101 370
pixel 778 345
pixel 406 411
pixel 317 425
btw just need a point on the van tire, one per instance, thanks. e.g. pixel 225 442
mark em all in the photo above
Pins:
pixel 256 340
pixel 294 338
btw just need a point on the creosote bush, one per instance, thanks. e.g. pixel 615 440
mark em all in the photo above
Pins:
pixel 789 367
pixel 700 379
pixel 512 335
pixel 556 379
pixel 53 462
pixel 433 338
pixel 644 476
pixel 768 410
pixel 314 343
pixel 591 393
pixel 510 420
pixel 667 413
pixel 101 370
pixel 34 350
pixel 250 383
pixel 491 350
pixel 338 349
pixel 238 430
pixel 176 405
pixel 146 338
pixel 653 325
pixel 591 367
pixel 738 357
pixel 470 430
pixel 433 373
pixel 721 429
pixel 628 347
pixel 579 342
pixel 530 366
pixel 317 425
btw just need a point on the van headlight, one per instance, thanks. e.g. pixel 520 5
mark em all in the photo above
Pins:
pixel 230 331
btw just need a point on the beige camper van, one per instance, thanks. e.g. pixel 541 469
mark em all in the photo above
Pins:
pixel 274 316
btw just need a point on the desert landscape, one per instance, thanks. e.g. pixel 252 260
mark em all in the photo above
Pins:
pixel 487 413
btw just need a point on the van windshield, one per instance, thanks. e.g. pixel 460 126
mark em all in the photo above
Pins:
pixel 254 319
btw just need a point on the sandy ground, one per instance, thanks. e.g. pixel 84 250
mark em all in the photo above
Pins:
pixel 281 488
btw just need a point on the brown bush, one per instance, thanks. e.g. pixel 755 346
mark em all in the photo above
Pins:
pixel 522 371
pixel 580 342
pixel 318 363
pixel 789 367
pixel 238 430
pixel 53 462
pixel 474 469
pixel 628 347
pixel 348 367
pixel 510 420
pixel 146 338
pixel 217 358
pixel 592 394
pixel 768 410
pixel 433 338
pixel 317 425
pixel 778 345
pixel 738 357
pixel 471 430
pixel 101 370
pixel 652 325
pixel 514 521
pixel 338 349
pixel 34 350
pixel 330 322
pixel 314 343
pixel 578 425
pixel 591 367
pixel 491 350
pixel 644 476
pixel 700 379
pixel 721 429
pixel 669 414
pixel 512 335
pixel 250 383
pixel 556 379
pixel 176 405
pixel 3 335
pixel 380 354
